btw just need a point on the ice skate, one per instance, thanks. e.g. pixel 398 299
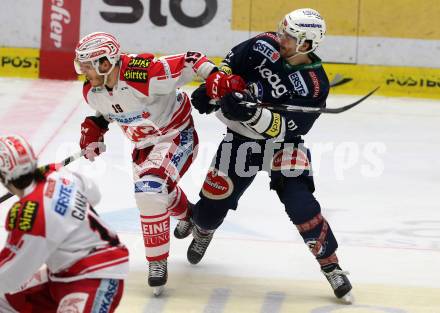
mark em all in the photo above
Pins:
pixel 184 227
pixel 157 276
pixel 339 282
pixel 198 246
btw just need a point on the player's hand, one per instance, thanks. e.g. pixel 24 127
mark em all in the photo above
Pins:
pixel 202 102
pixel 92 136
pixel 232 108
pixel 219 84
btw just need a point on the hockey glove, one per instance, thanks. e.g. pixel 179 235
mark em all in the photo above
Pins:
pixel 92 136
pixel 202 102
pixel 219 84
pixel 233 110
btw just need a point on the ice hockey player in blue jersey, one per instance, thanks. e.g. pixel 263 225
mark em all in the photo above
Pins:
pixel 276 68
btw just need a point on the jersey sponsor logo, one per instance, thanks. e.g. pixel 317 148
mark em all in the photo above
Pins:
pixel 63 199
pixel 299 84
pixel 267 50
pixel 50 189
pixel 126 118
pixel 316 85
pixel 13 216
pixel 275 125
pixel 22 216
pixel 217 185
pixel 225 69
pixel 105 295
pixel 148 186
pixel 139 76
pixel 139 62
pixel 278 89
pixel 184 150
pixel 80 206
pixel 291 125
pixel 73 302
pixel 290 159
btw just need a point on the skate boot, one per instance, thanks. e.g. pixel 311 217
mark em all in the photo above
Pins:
pixel 184 227
pixel 157 276
pixel 339 282
pixel 198 246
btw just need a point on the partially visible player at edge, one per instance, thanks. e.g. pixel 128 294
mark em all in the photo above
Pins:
pixel 59 255
pixel 277 68
pixel 139 92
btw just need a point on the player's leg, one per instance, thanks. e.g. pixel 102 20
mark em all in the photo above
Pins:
pixel 34 296
pixel 221 190
pixel 88 295
pixel 296 193
pixel 157 170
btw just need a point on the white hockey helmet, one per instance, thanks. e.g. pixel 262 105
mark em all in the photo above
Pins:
pixel 93 47
pixel 304 24
pixel 17 158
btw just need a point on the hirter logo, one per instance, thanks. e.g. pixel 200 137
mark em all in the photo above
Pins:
pixel 217 185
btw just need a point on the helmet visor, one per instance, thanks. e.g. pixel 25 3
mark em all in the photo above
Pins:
pixel 83 67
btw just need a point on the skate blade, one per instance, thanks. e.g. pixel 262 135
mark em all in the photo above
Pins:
pixel 347 299
pixel 157 291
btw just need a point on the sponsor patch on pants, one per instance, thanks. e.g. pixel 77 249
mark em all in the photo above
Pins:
pixel 217 185
pixel 105 295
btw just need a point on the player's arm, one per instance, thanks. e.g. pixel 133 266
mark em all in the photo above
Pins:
pixel 93 129
pixel 221 80
pixel 21 257
pixel 89 188
pixel 171 72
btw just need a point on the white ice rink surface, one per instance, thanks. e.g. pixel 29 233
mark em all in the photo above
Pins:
pixel 377 175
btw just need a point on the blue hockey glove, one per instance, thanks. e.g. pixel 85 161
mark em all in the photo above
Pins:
pixel 233 110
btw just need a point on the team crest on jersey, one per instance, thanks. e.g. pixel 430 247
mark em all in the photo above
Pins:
pixel 217 185
pixel 267 50
pixel 22 216
pixel 299 84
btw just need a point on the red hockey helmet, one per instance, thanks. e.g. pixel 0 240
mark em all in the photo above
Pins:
pixel 17 158
pixel 93 47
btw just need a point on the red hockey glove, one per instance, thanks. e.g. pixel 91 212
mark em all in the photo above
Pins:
pixel 92 136
pixel 219 84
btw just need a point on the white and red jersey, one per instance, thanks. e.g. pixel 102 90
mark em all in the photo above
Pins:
pixel 146 102
pixel 54 224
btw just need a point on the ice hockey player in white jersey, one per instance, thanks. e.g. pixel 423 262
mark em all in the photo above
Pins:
pixel 59 255
pixel 140 93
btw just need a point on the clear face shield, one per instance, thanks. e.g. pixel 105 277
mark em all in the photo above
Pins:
pixel 298 39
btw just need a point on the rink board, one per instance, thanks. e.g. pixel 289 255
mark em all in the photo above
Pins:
pixel 394 81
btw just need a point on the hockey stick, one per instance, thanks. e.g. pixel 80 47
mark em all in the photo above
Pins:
pixel 300 109
pixel 339 80
pixel 65 162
